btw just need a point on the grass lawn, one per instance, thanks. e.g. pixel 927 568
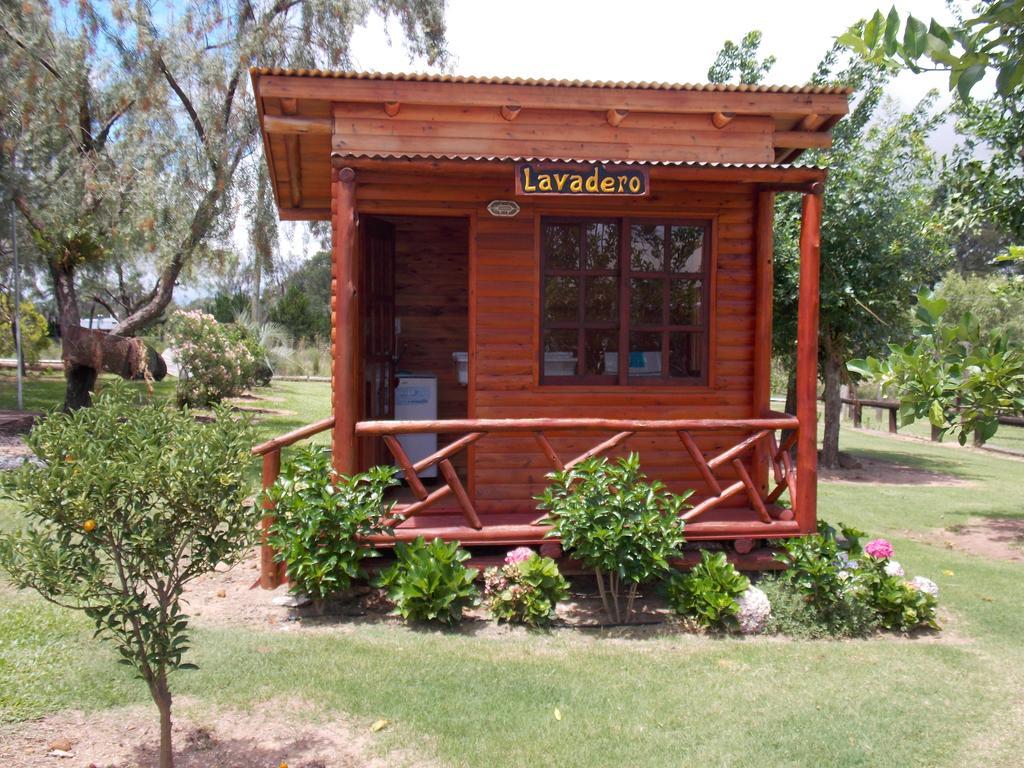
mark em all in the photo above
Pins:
pixel 671 700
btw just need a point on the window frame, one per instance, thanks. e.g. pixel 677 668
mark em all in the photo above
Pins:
pixel 624 324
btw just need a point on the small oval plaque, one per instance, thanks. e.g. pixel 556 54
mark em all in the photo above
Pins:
pixel 504 208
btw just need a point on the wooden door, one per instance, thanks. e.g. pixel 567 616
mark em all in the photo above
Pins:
pixel 377 286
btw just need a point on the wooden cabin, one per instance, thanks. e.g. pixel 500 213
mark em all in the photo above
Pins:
pixel 531 272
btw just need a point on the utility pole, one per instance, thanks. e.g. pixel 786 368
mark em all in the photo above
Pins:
pixel 16 317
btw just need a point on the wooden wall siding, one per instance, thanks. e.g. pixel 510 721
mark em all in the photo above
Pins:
pixel 432 302
pixel 363 129
pixel 509 470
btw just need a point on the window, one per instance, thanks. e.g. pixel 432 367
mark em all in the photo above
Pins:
pixel 638 285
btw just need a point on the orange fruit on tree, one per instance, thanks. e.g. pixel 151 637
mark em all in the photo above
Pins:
pixel 89 525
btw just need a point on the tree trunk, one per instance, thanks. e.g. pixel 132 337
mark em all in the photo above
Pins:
pixel 833 409
pixel 81 382
pixel 80 377
pixel 162 697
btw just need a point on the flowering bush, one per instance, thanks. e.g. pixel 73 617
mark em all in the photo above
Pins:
pixel 214 362
pixel 851 596
pixel 526 589
pixel 925 585
pixel 880 549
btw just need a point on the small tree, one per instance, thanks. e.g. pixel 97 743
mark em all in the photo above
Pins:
pixel 610 518
pixel 129 504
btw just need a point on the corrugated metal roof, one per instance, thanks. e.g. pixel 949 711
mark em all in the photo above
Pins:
pixel 567 160
pixel 548 83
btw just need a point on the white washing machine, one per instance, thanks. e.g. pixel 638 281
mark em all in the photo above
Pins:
pixel 416 400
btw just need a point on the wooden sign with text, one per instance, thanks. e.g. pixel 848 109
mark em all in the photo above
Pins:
pixel 595 180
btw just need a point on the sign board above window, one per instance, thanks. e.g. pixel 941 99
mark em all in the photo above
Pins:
pixel 592 179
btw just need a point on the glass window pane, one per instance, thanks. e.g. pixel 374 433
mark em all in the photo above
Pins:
pixel 602 246
pixel 560 352
pixel 684 355
pixel 561 298
pixel 562 246
pixel 601 352
pixel 685 302
pixel 687 249
pixel 645 353
pixel 645 301
pixel 647 247
pixel 602 302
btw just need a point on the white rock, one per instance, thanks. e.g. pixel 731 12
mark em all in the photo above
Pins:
pixel 754 611
pixel 925 585
pixel 291 601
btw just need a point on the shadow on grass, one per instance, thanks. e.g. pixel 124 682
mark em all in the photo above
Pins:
pixel 931 464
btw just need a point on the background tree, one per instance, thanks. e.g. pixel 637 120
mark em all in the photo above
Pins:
pixel 994 300
pixel 740 61
pixel 303 309
pixel 126 132
pixel 880 241
pixel 988 185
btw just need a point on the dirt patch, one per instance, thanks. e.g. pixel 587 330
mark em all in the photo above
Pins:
pixel 877 472
pixel 227 597
pixel 991 537
pixel 127 737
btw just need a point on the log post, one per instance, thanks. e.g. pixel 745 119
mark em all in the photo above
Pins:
pixel 345 325
pixel 805 504
pixel 270 574
pixel 764 284
pixel 894 422
pixel 858 415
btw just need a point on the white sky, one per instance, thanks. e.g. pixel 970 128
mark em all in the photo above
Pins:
pixel 634 40
pixel 639 39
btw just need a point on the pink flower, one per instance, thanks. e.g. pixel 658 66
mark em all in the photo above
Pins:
pixel 880 549
pixel 519 554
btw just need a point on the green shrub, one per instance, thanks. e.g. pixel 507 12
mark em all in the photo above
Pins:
pixel 526 589
pixel 428 582
pixel 320 517
pixel 814 569
pixel 612 520
pixel 795 616
pixel 709 591
pixel 130 503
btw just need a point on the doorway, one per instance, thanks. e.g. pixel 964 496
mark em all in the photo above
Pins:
pixel 415 318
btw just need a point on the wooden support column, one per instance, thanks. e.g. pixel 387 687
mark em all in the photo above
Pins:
pixel 345 323
pixel 270 573
pixel 807 365
pixel 764 284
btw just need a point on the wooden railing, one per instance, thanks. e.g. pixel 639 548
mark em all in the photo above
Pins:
pixel 759 440
pixel 761 437
pixel 893 406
